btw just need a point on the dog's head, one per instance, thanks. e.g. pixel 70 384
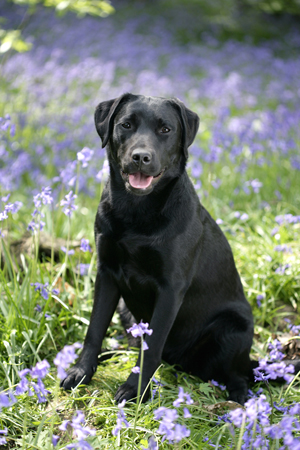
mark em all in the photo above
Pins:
pixel 147 138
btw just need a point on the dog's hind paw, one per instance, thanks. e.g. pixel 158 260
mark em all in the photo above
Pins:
pixel 77 375
pixel 238 396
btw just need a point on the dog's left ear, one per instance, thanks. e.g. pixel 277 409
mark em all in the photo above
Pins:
pixel 104 116
pixel 189 123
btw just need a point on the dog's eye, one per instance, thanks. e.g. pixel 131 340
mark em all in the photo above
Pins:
pixel 165 130
pixel 126 125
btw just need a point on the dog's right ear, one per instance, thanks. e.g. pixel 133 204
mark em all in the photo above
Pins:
pixel 104 116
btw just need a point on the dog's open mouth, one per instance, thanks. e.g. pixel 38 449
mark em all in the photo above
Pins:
pixel 140 180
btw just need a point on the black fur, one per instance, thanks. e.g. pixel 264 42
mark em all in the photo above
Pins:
pixel 160 250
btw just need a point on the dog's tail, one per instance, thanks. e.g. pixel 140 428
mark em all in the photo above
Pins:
pixel 281 380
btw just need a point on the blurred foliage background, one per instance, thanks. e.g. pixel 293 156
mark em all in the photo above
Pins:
pixel 229 17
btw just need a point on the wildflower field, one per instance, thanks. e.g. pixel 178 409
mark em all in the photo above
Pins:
pixel 245 164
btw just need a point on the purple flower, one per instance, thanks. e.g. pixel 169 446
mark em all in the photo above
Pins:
pixel 135 369
pixel 55 440
pixel 33 226
pixel 255 184
pixel 84 156
pixel 275 353
pixel 152 444
pixel 180 432
pixel 139 329
pixel 121 419
pixel 186 413
pixel 2 439
pixel 168 428
pixel 145 346
pixel 42 288
pixel 13 207
pixel 64 358
pixel 182 397
pixel 39 371
pixel 237 416
pixel 103 174
pixel 80 445
pixel 244 217
pixel 65 250
pixel 68 203
pixel 215 383
pixel 3 216
pixel 282 268
pixel 267 371
pixel 79 431
pixel 6 399
pixel 5 198
pixel 83 269
pixel 85 245
pixel 283 248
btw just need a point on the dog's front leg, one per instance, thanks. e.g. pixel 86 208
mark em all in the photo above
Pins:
pixel 164 315
pixel 105 302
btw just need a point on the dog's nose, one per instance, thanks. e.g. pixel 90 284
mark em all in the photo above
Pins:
pixel 141 156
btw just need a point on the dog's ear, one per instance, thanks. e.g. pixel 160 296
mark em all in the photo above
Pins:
pixel 104 116
pixel 189 123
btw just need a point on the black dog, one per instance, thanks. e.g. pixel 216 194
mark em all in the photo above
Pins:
pixel 161 251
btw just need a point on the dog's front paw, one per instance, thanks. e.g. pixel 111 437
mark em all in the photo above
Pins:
pixel 78 374
pixel 128 391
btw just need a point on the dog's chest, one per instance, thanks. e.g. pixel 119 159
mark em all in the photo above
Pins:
pixel 132 261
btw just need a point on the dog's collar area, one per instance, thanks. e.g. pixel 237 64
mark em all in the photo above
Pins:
pixel 140 181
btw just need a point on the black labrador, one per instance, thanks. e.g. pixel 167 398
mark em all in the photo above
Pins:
pixel 160 250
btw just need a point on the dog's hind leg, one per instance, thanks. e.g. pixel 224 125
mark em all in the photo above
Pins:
pixel 222 352
pixel 127 320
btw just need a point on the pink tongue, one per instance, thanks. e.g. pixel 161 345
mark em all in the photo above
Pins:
pixel 139 180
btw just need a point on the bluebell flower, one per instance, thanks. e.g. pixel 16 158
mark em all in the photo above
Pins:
pixel 121 419
pixel 42 288
pixel 215 383
pixel 80 432
pixel 152 444
pixel 83 269
pixel 39 371
pixel 138 330
pixel 64 358
pixel 84 156
pixel 7 399
pixel 283 248
pixel 55 440
pixel 103 174
pixel 183 397
pixel 65 250
pixel 85 245
pixel 2 438
pixel 68 204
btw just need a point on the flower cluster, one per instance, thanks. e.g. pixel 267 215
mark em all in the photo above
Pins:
pixel 12 208
pixel 43 289
pixel 64 358
pixel 138 330
pixel 68 204
pixel 121 419
pixel 276 368
pixel 40 199
pixel 29 386
pixel 255 418
pixel 79 431
pixel 169 428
